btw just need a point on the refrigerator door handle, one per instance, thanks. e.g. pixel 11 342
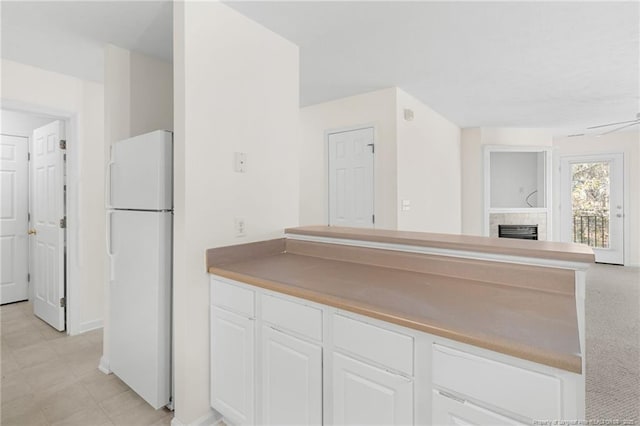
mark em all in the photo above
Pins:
pixel 107 185
pixel 108 243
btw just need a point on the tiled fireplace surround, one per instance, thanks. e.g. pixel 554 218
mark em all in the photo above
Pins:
pixel 537 218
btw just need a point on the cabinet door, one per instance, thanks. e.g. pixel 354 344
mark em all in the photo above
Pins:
pixel 452 411
pixel 367 395
pixel 292 380
pixel 232 371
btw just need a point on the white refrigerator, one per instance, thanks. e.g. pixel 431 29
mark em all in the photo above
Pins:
pixel 139 246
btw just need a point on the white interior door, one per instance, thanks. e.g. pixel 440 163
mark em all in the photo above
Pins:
pixel 47 210
pixel 351 200
pixel 14 247
pixel 592 206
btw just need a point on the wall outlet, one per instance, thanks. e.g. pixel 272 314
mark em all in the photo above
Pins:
pixel 240 162
pixel 406 205
pixel 241 229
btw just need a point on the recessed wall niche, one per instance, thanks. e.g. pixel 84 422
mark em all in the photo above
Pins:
pixel 517 182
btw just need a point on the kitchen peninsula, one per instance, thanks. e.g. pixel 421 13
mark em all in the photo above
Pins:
pixel 350 326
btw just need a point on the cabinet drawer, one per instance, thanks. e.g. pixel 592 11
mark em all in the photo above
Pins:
pixel 289 315
pixel 232 297
pixel 380 345
pixel 525 392
pixel 449 411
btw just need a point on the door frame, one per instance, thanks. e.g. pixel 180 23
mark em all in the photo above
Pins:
pixel 562 207
pixel 327 134
pixel 74 257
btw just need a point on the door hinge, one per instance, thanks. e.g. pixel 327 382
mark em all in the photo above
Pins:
pixel 29 217
pixel 28 277
pixel 63 144
pixel 63 222
pixel 373 218
pixel 63 302
pixel 28 156
pixel 373 147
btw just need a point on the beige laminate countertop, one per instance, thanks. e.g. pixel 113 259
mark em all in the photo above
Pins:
pixel 551 250
pixel 531 324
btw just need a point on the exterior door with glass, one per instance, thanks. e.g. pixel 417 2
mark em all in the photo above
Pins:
pixel 593 204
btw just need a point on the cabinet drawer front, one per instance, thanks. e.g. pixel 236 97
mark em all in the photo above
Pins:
pixel 385 347
pixel 518 390
pixel 232 297
pixel 447 411
pixel 296 317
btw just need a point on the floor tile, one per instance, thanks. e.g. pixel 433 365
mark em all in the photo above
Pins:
pixel 35 354
pixel 101 386
pixel 65 402
pixel 14 386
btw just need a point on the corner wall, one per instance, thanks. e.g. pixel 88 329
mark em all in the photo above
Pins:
pixel 416 160
pixel 428 169
pixel 373 109
pixel 236 90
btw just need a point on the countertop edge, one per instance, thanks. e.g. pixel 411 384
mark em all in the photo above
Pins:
pixel 512 247
pixel 571 363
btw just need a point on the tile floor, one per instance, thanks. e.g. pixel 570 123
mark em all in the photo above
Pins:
pixel 49 378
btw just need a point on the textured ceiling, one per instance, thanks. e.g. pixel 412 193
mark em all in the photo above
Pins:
pixel 522 64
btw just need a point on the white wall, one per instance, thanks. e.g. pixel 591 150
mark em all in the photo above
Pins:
pixel 138 98
pixel 472 142
pixel 627 143
pixel 415 160
pixel 375 109
pixel 428 169
pixel 236 90
pixel 82 102
pixel 20 123
pixel 514 175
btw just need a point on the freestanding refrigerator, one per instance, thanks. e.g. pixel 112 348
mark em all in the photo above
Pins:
pixel 139 245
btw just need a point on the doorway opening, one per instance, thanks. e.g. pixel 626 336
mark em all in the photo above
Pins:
pixel 33 219
pixel 593 204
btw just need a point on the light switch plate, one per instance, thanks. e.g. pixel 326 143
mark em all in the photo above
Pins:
pixel 240 161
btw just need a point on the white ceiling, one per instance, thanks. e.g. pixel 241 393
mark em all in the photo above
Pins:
pixel 69 36
pixel 522 64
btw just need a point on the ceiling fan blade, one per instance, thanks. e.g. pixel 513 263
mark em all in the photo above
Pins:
pixel 614 124
pixel 619 128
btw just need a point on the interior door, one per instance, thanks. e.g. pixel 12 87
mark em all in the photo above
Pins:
pixel 593 204
pixel 14 247
pixel 48 219
pixel 351 200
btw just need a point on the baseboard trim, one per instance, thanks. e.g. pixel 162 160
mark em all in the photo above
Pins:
pixel 89 325
pixel 104 365
pixel 212 418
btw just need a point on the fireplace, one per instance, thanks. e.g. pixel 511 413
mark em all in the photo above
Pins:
pixel 523 232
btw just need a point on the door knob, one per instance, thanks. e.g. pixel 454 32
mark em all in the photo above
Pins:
pixel 619 215
pixel 32 232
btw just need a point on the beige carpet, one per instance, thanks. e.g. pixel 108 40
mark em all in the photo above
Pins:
pixel 613 344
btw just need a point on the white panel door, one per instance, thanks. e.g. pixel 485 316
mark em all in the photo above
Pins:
pixel 592 206
pixel 14 247
pixel 351 178
pixel 291 380
pixel 367 395
pixel 455 411
pixel 140 302
pixel 232 368
pixel 47 212
pixel 141 172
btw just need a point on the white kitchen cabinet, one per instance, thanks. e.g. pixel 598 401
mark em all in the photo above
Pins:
pixel 451 410
pixel 291 379
pixel 232 365
pixel 368 395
